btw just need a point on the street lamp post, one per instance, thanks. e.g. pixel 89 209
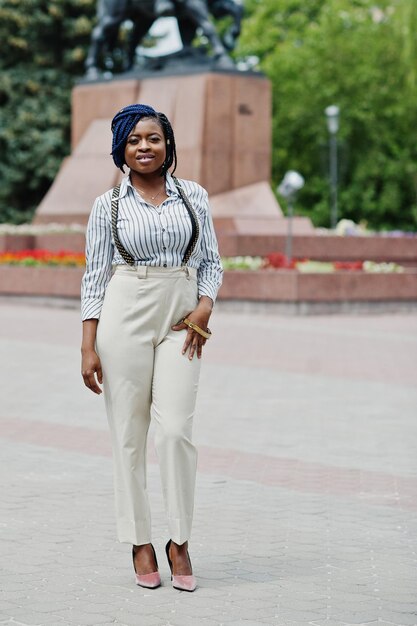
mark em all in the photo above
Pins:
pixel 288 189
pixel 332 117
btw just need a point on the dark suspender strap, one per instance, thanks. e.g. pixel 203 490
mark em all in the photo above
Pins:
pixel 126 256
pixel 194 222
pixel 114 212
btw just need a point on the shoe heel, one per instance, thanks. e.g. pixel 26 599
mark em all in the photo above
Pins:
pixel 149 581
pixel 182 583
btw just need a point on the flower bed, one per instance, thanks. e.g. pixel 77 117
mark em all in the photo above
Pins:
pixel 42 258
pixel 276 260
pixel 269 279
pixel 65 258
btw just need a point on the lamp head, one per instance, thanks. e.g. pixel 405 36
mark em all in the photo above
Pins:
pixel 332 115
pixel 290 184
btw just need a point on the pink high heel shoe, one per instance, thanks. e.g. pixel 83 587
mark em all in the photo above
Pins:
pixel 149 581
pixel 183 583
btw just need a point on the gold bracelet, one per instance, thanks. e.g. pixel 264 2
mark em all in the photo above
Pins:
pixel 204 333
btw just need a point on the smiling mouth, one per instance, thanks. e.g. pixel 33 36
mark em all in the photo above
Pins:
pixel 144 157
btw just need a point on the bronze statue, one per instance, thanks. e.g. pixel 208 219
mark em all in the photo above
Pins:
pixel 190 14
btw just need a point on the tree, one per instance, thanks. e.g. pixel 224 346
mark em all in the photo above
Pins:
pixel 42 50
pixel 353 54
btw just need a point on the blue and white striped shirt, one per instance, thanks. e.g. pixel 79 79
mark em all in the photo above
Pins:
pixel 155 236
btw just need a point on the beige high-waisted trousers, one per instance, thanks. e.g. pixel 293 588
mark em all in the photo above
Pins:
pixel 144 375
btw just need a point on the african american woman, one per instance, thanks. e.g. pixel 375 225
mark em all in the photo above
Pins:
pixel 152 275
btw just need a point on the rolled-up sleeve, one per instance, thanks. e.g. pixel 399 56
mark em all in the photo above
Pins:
pixel 210 271
pixel 99 255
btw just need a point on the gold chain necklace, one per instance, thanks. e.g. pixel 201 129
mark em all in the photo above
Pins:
pixel 144 193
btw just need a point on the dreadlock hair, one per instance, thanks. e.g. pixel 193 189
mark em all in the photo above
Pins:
pixel 125 121
pixel 171 149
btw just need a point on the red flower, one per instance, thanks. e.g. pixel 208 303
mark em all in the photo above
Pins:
pixel 348 265
pixel 279 261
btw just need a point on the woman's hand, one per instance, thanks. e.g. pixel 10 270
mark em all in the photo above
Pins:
pixel 90 368
pixel 200 316
pixel 90 362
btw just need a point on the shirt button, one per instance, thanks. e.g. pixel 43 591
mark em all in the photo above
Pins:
pixel 163 247
pixel 163 230
pixel 165 265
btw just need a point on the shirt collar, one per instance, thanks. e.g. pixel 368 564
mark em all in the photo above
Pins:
pixel 170 186
pixel 124 186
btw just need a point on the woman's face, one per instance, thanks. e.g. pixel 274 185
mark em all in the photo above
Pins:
pixel 145 150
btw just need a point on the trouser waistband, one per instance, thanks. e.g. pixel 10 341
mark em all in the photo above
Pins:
pixel 146 271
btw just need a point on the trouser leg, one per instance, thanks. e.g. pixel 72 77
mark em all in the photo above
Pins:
pixel 126 353
pixel 129 418
pixel 174 392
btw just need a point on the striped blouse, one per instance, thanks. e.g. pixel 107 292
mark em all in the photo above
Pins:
pixel 155 236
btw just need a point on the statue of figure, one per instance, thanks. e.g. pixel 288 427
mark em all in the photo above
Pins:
pixel 190 14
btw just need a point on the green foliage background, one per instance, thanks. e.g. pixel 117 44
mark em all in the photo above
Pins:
pixel 358 54
pixel 42 49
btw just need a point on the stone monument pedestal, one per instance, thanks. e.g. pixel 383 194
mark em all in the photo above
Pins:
pixel 222 125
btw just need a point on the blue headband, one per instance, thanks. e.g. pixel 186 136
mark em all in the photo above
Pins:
pixel 122 124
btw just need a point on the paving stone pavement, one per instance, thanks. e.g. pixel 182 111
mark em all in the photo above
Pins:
pixel 306 509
